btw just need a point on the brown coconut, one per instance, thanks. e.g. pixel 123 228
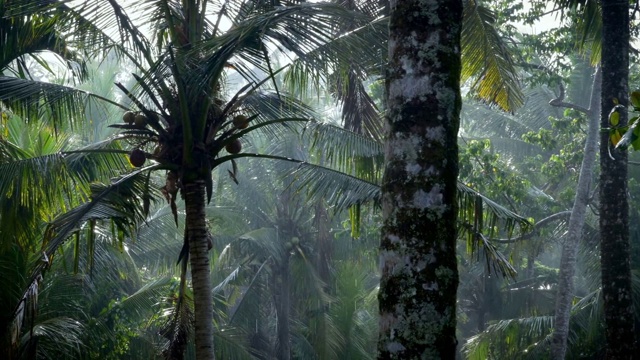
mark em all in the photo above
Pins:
pixel 137 157
pixel 234 147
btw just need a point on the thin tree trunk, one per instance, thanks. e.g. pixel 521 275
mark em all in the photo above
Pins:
pixel 614 207
pixel 283 346
pixel 194 193
pixel 417 298
pixel 564 296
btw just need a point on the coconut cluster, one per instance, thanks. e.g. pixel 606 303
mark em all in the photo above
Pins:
pixel 137 119
pixel 138 157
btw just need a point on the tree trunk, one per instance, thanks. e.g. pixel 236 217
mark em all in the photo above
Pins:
pixel 194 193
pixel 564 296
pixel 283 346
pixel 417 298
pixel 614 207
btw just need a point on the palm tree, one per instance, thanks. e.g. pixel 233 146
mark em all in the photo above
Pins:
pixel 181 121
pixel 576 223
pixel 418 258
pixel 614 207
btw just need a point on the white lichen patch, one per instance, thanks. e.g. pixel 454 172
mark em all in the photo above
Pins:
pixel 429 258
pixel 436 134
pixel 431 286
pixel 412 169
pixel 410 87
pixel 431 199
pixel 395 347
pixel 393 238
pixel 406 64
pixel 404 146
pixel 392 263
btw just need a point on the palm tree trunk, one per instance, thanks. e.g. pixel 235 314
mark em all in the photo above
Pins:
pixel 564 296
pixel 614 206
pixel 194 195
pixel 417 297
pixel 283 347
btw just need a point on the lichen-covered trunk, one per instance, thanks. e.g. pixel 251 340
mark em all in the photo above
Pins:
pixel 568 259
pixel 194 197
pixel 614 207
pixel 419 280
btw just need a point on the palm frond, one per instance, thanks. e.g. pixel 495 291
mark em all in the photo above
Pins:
pixel 22 35
pixel 35 99
pixel 486 57
pixel 359 111
pixel 345 150
pixel 54 336
pixel 264 241
pixel 296 29
pixel 588 14
pixel 115 202
pixel 508 338
pixel 335 187
pixel 37 174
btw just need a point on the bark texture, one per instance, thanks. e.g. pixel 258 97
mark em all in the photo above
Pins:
pixel 194 194
pixel 568 259
pixel 417 298
pixel 614 207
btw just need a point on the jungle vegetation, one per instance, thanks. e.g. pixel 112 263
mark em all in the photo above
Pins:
pixel 220 179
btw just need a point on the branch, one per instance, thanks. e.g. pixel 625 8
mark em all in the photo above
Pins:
pixel 558 102
pixel 563 215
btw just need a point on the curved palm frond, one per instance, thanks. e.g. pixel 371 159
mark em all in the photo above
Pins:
pixel 588 15
pixel 490 63
pixel 296 29
pixel 35 100
pixel 61 335
pixel 36 173
pixel 344 150
pixel 22 35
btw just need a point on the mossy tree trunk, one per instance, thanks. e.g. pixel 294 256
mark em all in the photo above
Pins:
pixel 614 207
pixel 194 198
pixel 417 297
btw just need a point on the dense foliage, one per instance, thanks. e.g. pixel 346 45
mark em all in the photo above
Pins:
pixel 283 102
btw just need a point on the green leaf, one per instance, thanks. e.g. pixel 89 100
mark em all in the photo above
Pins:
pixel 614 115
pixel 629 137
pixel 487 59
pixel 635 99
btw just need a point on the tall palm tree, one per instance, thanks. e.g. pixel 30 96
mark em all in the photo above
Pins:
pixel 614 206
pixel 418 257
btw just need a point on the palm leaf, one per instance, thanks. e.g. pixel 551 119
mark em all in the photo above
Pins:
pixel 22 35
pixel 496 79
pixel 34 99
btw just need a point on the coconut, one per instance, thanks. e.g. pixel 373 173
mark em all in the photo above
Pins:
pixel 129 117
pixel 140 120
pixel 137 157
pixel 234 147
pixel 240 121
